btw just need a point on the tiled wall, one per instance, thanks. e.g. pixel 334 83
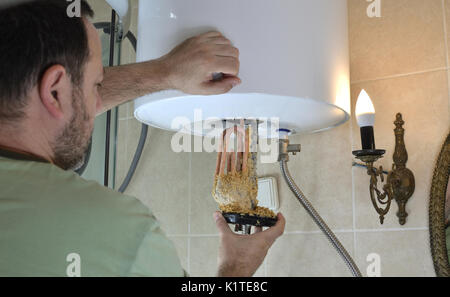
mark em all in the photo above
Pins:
pixel 401 59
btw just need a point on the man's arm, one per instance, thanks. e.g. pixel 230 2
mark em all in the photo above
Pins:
pixel 188 68
pixel 125 83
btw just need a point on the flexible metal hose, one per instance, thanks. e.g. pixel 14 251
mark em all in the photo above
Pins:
pixel 318 220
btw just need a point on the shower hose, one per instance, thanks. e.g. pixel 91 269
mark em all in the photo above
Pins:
pixel 318 220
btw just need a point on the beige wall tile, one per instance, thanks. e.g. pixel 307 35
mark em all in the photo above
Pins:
pixel 307 255
pixel 447 24
pixel 203 204
pixel 448 75
pixel 101 9
pixel 423 101
pixel 261 272
pixel 203 256
pixel 407 38
pixel 402 254
pixel 161 179
pixel 123 112
pixel 181 245
pixel 134 129
pixel 321 171
pixel 128 55
pixel 126 111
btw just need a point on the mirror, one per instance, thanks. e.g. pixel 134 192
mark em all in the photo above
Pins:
pixel 439 209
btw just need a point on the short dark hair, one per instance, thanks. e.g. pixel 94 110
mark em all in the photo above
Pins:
pixel 36 35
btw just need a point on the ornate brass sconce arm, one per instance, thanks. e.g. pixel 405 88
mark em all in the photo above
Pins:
pixel 377 197
pixel 400 183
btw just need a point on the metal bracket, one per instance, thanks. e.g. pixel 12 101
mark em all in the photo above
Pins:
pixel 400 183
pixel 285 149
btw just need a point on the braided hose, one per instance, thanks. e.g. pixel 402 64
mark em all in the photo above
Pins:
pixel 319 221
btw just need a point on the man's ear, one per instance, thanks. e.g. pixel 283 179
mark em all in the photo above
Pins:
pixel 54 90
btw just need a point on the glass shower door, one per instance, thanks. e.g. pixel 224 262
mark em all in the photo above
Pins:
pixel 103 147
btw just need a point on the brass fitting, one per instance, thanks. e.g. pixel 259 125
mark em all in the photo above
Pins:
pixel 285 149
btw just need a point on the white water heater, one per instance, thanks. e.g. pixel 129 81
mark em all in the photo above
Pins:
pixel 294 62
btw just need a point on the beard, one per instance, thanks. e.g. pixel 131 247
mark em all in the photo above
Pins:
pixel 71 146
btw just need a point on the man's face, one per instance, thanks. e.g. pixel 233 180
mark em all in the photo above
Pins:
pixel 71 146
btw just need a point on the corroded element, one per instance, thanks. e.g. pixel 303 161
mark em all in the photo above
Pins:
pixel 235 186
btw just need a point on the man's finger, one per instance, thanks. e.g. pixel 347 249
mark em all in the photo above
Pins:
pixel 222 86
pixel 225 51
pixel 258 229
pixel 211 34
pixel 218 40
pixel 276 231
pixel 227 65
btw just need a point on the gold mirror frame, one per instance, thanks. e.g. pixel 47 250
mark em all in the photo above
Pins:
pixel 437 212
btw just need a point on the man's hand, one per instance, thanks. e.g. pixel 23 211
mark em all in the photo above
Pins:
pixel 188 68
pixel 241 255
pixel 191 65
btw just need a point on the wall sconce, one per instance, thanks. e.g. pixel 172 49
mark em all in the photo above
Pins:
pixel 400 183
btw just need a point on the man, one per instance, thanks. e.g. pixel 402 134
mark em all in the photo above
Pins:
pixel 52 222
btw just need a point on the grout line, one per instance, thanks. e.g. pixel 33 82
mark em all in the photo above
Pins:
pixel 192 235
pixel 188 268
pixel 190 193
pixel 399 75
pixel 189 212
pixel 352 140
pixel 317 232
pixel 354 212
pixel 338 231
pixel 444 18
pixel 446 49
pixel 393 229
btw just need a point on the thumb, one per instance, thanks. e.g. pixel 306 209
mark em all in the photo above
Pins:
pixel 221 223
pixel 276 231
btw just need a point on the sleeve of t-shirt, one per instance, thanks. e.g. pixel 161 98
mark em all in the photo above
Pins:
pixel 156 256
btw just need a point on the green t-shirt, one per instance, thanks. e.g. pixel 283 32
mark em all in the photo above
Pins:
pixel 54 223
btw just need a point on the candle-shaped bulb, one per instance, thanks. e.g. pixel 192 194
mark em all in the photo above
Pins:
pixel 365 115
pixel 365 111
